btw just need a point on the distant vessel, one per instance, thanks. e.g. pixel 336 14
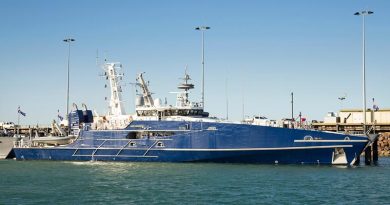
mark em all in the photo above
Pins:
pixel 185 133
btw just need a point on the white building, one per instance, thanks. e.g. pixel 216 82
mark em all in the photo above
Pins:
pixel 355 116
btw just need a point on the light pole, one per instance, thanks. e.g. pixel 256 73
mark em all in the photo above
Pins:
pixel 68 40
pixel 363 14
pixel 202 29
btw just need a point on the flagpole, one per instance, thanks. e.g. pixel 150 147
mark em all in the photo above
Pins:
pixel 18 120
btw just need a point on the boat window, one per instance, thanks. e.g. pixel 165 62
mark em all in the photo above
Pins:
pixel 157 133
pixel 131 135
pixel 132 144
pixel 180 112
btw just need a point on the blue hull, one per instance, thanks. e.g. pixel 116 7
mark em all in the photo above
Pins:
pixel 294 156
pixel 202 142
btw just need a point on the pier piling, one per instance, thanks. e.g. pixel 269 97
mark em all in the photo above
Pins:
pixel 375 152
pixel 367 155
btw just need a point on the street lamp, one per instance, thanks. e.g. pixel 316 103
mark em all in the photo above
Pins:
pixel 363 14
pixel 202 29
pixel 68 40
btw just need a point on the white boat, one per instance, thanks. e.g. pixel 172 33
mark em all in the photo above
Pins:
pixel 6 144
pixel 53 140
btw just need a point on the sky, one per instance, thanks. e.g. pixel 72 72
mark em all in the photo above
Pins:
pixel 256 54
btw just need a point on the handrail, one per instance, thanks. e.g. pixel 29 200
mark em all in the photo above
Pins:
pixel 151 147
pixel 93 153
pixel 123 147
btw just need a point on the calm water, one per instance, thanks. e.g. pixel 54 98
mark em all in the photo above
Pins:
pixel 42 182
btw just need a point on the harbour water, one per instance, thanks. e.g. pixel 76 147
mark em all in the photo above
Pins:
pixel 49 182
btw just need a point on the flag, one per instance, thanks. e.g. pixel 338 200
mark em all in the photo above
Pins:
pixel 21 112
pixel 374 106
pixel 59 116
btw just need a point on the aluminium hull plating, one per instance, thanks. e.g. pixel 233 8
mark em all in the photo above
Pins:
pixel 203 142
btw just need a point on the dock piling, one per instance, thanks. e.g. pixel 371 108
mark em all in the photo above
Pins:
pixel 367 155
pixel 375 151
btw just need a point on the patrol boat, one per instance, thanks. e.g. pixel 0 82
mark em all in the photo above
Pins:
pixel 185 133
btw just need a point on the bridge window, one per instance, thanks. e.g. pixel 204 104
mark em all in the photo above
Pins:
pixel 131 135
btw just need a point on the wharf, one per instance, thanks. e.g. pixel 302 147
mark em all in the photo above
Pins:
pixel 351 127
pixel 350 121
pixel 26 130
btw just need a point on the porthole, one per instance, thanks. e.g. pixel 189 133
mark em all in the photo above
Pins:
pixel 132 144
pixel 347 138
pixel 308 137
pixel 160 144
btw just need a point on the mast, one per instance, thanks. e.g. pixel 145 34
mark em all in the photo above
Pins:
pixel 182 97
pixel 112 74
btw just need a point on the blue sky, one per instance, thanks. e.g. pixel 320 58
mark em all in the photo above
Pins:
pixel 263 49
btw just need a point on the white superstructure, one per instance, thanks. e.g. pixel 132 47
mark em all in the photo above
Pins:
pixel 116 117
pixel 148 108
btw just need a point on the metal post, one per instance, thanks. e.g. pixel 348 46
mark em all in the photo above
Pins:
pixel 202 29
pixel 68 40
pixel 300 119
pixel 18 132
pixel 364 78
pixel 363 14
pixel 292 106
pixel 227 100
pixel 203 69
pixel 368 156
